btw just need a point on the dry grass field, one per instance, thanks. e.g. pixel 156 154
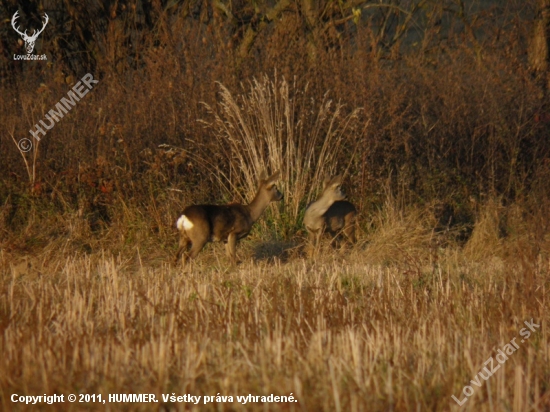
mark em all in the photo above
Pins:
pixel 437 115
pixel 397 323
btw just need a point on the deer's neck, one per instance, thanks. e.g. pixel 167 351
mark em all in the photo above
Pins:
pixel 257 206
pixel 321 206
pixel 314 213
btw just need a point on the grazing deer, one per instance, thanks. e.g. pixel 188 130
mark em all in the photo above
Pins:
pixel 330 213
pixel 200 224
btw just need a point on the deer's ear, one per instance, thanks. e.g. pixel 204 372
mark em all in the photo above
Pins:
pixel 336 181
pixel 274 177
pixel 263 176
pixel 326 182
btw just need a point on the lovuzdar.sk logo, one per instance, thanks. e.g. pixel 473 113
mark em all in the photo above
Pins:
pixel 29 40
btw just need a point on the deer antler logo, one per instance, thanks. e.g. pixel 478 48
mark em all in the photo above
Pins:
pixel 29 40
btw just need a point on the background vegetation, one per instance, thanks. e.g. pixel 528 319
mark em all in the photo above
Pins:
pixel 437 113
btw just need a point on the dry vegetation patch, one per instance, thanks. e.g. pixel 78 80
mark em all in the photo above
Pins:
pixel 339 333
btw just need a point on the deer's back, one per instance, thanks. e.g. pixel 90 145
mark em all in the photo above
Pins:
pixel 339 214
pixel 220 220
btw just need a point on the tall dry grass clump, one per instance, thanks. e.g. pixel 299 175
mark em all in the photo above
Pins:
pixel 279 125
pixel 487 235
pixel 402 236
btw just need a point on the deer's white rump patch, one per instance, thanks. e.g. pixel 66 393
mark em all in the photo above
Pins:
pixel 184 223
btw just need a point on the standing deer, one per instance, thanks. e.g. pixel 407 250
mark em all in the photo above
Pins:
pixel 200 224
pixel 29 40
pixel 330 213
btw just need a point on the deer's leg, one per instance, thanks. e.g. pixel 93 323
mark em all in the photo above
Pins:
pixel 231 248
pixel 311 236
pixel 349 227
pixel 197 243
pixel 183 245
pixel 335 238
pixel 318 237
pixel 315 241
pixel 334 227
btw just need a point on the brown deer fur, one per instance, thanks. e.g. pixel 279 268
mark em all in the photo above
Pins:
pixel 330 213
pixel 200 224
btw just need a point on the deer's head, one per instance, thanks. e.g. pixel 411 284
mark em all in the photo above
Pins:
pixel 268 187
pixel 332 189
pixel 29 40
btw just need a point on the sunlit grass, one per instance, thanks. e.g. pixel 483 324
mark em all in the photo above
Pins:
pixel 339 332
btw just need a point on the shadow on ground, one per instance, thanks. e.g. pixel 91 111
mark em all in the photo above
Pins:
pixel 282 251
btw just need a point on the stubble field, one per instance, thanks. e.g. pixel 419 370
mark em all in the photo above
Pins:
pixel 389 325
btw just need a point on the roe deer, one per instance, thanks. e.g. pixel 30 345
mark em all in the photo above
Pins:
pixel 330 213
pixel 200 224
